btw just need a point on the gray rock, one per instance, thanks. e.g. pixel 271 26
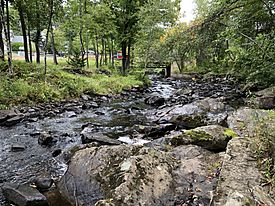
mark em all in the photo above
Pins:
pixel 18 148
pixel 6 114
pixel 51 114
pixel 89 105
pixel 251 122
pixel 134 175
pixel 257 125
pixel 240 177
pixel 14 120
pixel 199 113
pixel 103 98
pixel 24 195
pixel 70 114
pixel 31 110
pixel 45 139
pixel 184 91
pixel 33 119
pixel 155 101
pixel 43 183
pixel 85 97
pixel 88 137
pixel 154 131
pixel 264 99
pixel 94 105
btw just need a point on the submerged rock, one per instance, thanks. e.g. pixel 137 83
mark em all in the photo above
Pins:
pixel 155 101
pixel 18 147
pixel 135 175
pixel 45 139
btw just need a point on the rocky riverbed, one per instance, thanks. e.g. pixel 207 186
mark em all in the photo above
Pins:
pixel 162 145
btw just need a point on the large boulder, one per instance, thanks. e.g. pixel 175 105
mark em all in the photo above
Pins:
pixel 256 128
pixel 212 137
pixel 264 99
pixel 239 183
pixel 199 113
pixel 24 195
pixel 251 122
pixel 134 175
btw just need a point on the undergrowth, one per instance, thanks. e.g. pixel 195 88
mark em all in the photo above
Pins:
pixel 265 148
pixel 28 84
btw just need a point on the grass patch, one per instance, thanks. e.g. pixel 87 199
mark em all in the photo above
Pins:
pixel 28 84
pixel 265 148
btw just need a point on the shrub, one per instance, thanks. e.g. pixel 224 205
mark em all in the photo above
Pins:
pixel 76 61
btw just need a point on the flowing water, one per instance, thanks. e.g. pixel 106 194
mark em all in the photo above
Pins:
pixel 114 118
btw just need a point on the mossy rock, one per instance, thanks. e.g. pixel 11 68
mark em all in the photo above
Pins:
pixel 212 137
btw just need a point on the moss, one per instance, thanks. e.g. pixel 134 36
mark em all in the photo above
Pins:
pixel 271 113
pixel 198 136
pixel 230 133
pixel 191 137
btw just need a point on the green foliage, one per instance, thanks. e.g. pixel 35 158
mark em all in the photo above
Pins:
pixel 16 45
pixel 265 148
pixel 76 61
pixel 234 37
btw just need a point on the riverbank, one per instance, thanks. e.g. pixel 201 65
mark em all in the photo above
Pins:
pixel 28 85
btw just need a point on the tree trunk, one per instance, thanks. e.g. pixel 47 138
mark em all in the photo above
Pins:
pixel 124 57
pixel 110 51
pixel 9 39
pixel 37 48
pixel 2 47
pixel 105 53
pixel 30 43
pixel 87 48
pixel 113 60
pixel 53 47
pixel 23 28
pixel 47 37
pixel 128 62
pixel 38 35
pixel 182 65
pixel 81 44
pixel 96 53
pixel 87 35
pixel 81 33
pixel 70 49
pixel 102 52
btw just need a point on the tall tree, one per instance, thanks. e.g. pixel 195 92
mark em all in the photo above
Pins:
pixel 21 7
pixel 5 17
pixel 127 18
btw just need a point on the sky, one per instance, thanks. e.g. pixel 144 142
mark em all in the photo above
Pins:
pixel 187 7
